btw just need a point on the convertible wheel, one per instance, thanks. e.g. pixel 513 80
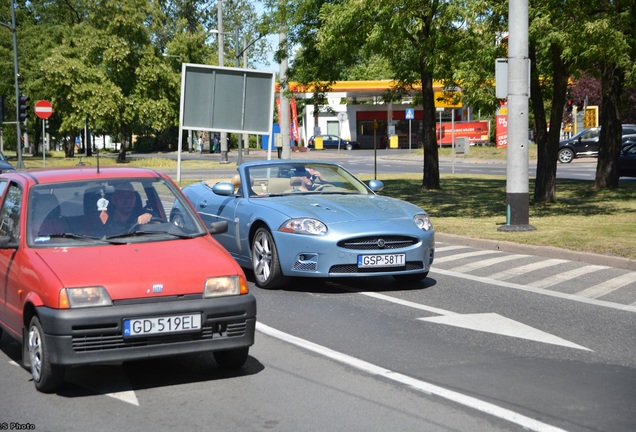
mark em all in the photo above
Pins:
pixel 566 155
pixel 349 146
pixel 47 377
pixel 265 260
pixel 232 359
pixel 413 277
pixel 177 219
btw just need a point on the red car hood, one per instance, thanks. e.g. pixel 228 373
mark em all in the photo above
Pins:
pixel 144 269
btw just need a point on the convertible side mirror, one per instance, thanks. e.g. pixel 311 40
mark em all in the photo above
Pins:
pixel 219 227
pixel 5 242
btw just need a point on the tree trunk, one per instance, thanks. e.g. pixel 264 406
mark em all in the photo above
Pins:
pixel 548 141
pixel 123 145
pixel 431 155
pixel 612 81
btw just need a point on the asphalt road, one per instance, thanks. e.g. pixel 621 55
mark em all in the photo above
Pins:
pixel 490 341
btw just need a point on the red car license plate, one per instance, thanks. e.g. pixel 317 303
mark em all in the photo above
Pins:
pixel 162 325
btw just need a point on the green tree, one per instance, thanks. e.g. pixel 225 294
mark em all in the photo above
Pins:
pixel 611 34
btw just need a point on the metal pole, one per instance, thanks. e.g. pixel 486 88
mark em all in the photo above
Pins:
pixel 239 159
pixel 246 138
pixel 453 140
pixel 223 143
pixel 14 30
pixel 284 100
pixel 43 144
pixel 517 182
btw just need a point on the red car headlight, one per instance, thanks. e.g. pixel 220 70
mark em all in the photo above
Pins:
pixel 84 297
pixel 225 286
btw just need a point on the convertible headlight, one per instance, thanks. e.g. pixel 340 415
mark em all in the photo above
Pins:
pixel 423 222
pixel 304 226
pixel 225 286
pixel 84 297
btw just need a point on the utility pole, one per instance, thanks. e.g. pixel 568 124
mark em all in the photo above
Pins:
pixel 284 100
pixel 224 149
pixel 517 182
pixel 14 31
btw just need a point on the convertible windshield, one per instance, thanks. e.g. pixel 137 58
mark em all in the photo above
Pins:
pixel 295 178
pixel 92 212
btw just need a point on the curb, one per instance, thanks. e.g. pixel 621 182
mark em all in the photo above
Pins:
pixel 544 251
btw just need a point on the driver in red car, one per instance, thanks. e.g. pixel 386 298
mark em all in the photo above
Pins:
pixel 123 211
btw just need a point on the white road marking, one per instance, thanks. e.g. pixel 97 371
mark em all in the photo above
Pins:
pixel 95 382
pixel 117 386
pixel 467 268
pixel 566 276
pixel 419 385
pixel 448 248
pixel 497 324
pixel 557 294
pixel 608 286
pixel 483 322
pixel 518 271
pixel 464 255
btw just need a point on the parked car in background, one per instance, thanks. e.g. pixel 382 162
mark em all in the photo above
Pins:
pixel 628 140
pixel 83 285
pixel 331 142
pixel 627 161
pixel 585 143
pixel 5 166
pixel 315 220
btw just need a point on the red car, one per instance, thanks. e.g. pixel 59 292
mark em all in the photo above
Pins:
pixel 94 271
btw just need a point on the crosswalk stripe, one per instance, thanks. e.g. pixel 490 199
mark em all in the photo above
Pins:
pixel 566 276
pixel 487 263
pixel 465 255
pixel 448 248
pixel 608 286
pixel 517 271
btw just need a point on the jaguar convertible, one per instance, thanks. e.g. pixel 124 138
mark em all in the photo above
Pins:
pixel 313 219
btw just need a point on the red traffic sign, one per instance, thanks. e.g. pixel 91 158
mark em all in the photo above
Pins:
pixel 43 109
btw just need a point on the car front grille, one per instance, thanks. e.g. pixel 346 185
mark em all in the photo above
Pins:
pixel 110 340
pixel 353 268
pixel 378 242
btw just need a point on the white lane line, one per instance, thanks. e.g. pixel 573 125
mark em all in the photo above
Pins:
pixel 566 276
pixel 486 263
pixel 608 286
pixel 422 386
pixel 557 294
pixel 464 255
pixel 518 271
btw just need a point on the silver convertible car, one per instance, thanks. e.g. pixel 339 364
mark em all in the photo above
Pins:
pixel 314 219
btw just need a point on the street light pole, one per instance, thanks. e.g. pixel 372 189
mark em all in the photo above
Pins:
pixel 224 149
pixel 244 142
pixel 14 30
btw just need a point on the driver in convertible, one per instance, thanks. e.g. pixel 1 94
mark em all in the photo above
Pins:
pixel 308 179
pixel 124 211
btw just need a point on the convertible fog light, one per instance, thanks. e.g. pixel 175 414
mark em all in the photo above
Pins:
pixel 84 297
pixel 225 286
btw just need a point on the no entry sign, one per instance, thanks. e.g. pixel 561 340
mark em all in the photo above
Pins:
pixel 43 109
